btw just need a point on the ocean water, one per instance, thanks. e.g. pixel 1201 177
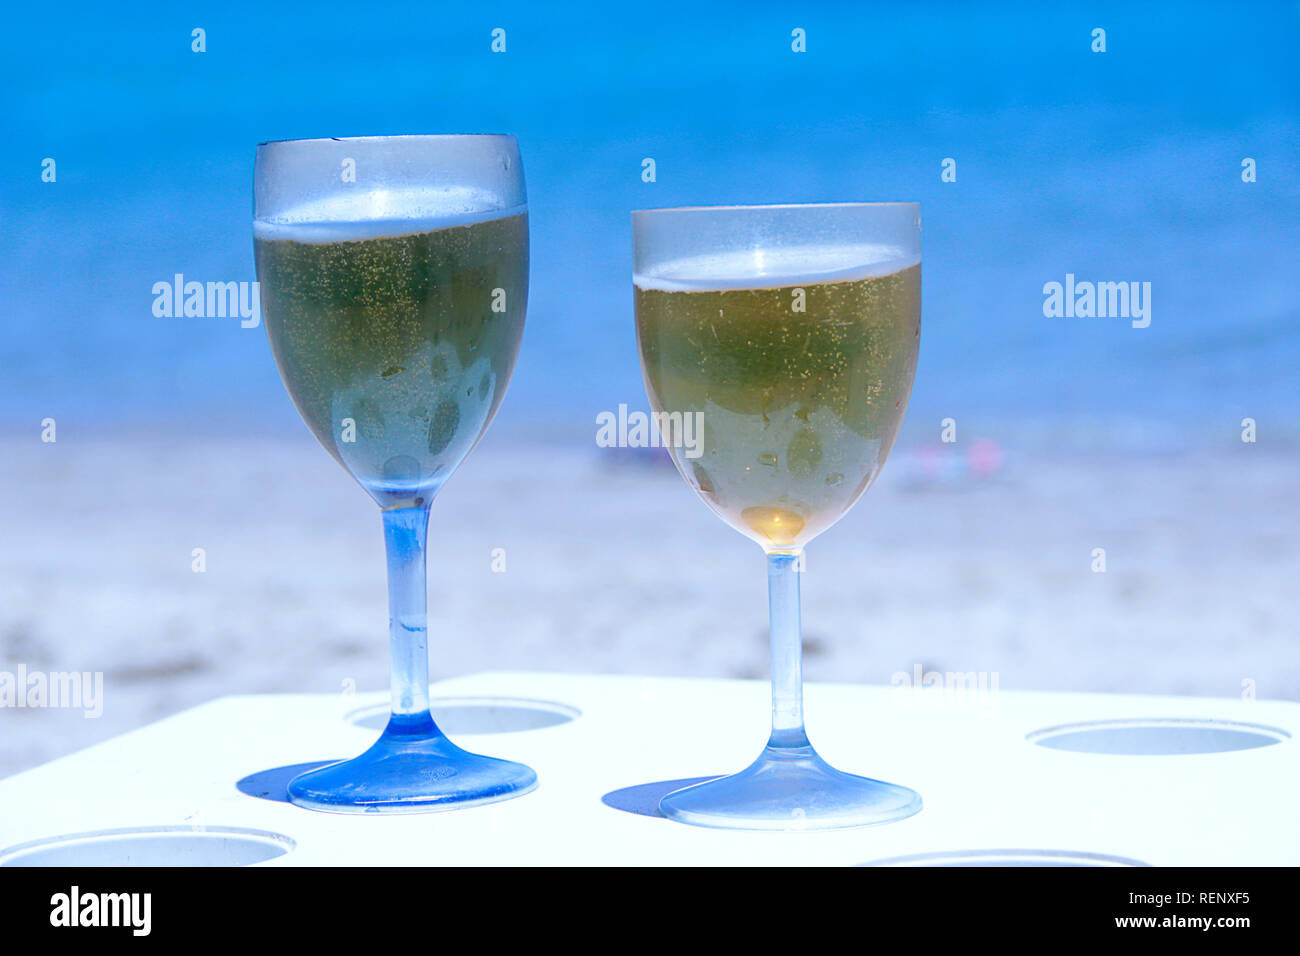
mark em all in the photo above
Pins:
pixel 1115 166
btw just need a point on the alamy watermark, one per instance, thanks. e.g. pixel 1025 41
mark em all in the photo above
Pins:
pixel 974 690
pixel 67 690
pixel 208 300
pixel 75 908
pixel 1103 300
pixel 638 429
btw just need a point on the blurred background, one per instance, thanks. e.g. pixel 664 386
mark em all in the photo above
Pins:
pixel 977 555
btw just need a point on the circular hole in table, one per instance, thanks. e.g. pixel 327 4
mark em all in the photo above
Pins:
pixel 458 716
pixel 1007 858
pixel 1160 736
pixel 152 846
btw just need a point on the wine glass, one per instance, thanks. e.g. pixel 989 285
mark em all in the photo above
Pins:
pixel 790 333
pixel 394 277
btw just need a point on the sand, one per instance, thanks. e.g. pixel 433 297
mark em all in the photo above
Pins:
pixel 612 565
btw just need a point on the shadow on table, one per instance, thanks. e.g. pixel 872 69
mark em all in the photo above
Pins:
pixel 643 799
pixel 271 784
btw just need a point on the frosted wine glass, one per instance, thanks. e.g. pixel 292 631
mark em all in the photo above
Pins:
pixel 394 278
pixel 789 336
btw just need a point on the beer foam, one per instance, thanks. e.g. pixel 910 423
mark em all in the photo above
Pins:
pixel 375 213
pixel 775 268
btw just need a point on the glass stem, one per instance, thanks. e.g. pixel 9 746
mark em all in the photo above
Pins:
pixel 405 530
pixel 787 652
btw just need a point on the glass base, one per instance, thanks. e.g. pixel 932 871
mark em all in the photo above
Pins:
pixel 790 788
pixel 412 768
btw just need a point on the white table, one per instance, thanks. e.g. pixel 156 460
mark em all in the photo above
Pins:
pixel 986 786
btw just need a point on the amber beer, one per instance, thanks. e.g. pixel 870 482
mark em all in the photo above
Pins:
pixel 396 340
pixel 801 371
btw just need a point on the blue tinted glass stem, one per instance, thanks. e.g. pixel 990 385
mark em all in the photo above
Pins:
pixel 787 651
pixel 405 530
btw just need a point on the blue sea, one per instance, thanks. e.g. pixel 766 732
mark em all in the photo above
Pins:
pixel 1123 165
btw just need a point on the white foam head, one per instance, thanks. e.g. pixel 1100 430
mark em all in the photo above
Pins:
pixel 370 213
pixel 774 267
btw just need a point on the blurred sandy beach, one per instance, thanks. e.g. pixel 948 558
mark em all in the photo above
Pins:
pixel 612 565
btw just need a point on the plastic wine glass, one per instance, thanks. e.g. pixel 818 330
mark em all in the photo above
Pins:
pixel 394 279
pixel 784 340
